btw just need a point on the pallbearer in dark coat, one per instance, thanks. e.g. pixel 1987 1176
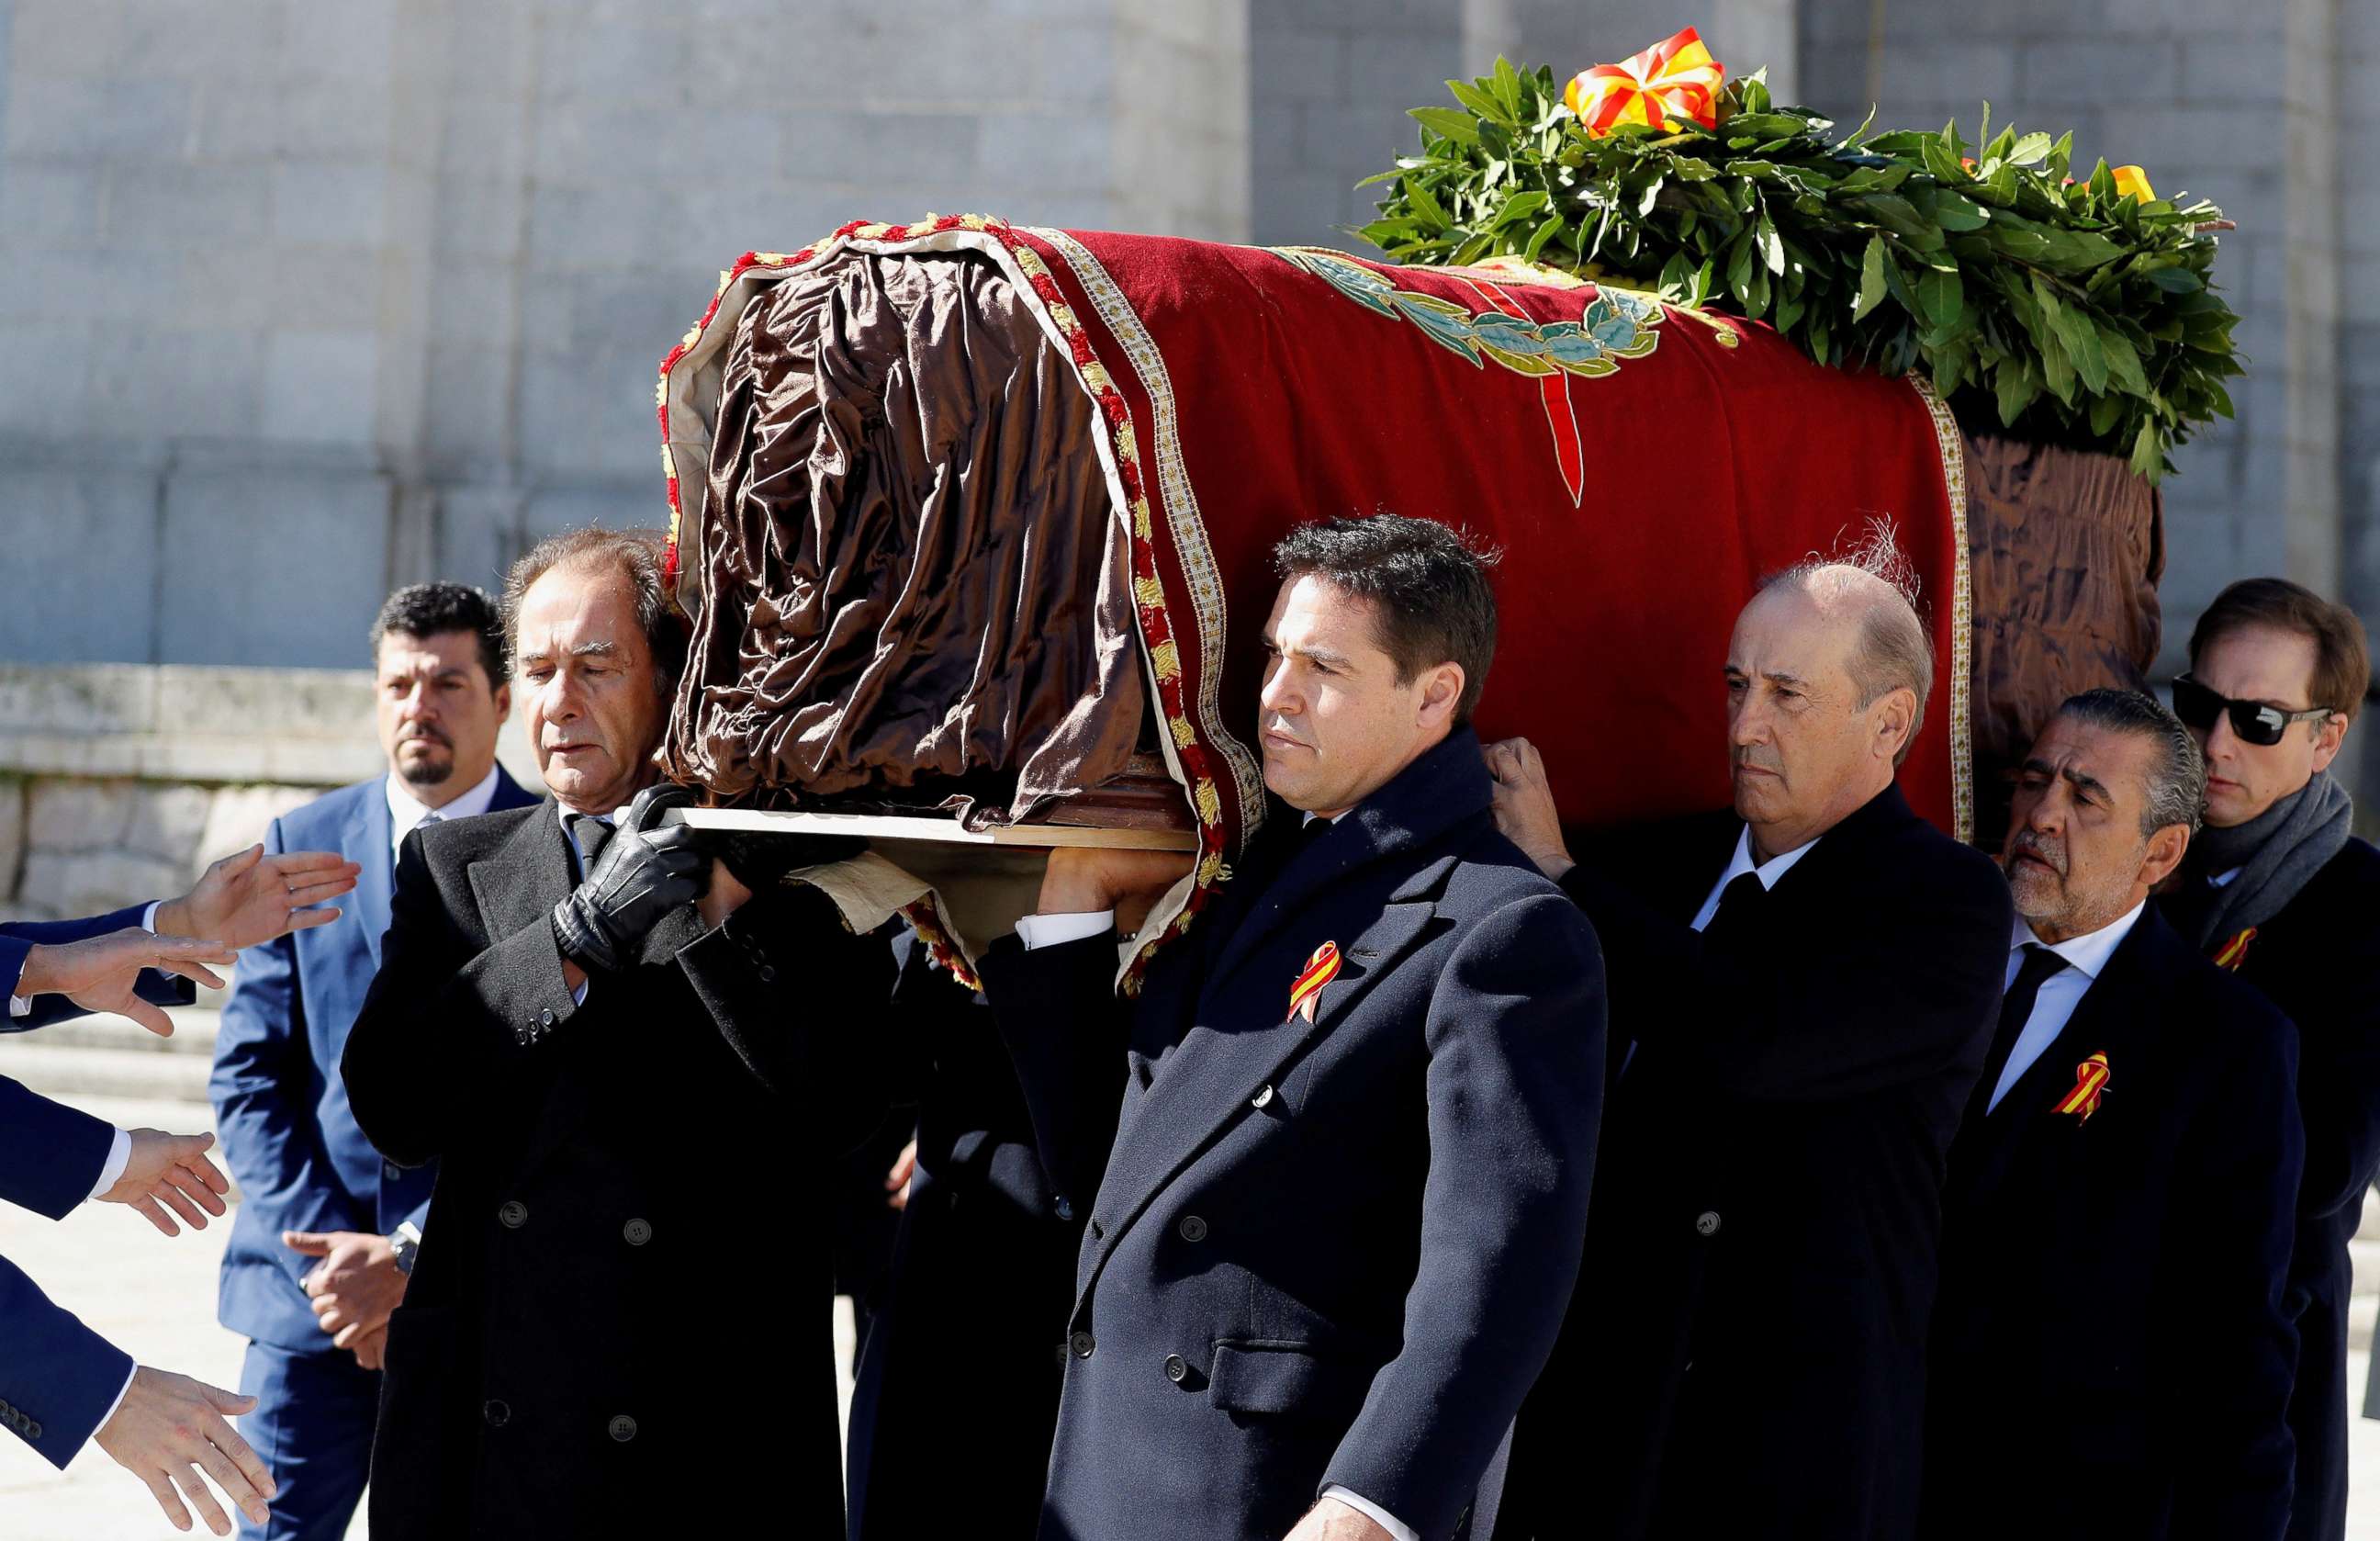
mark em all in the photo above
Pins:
pixel 1335 1218
pixel 1808 984
pixel 614 1326
pixel 959 1374
pixel 2277 890
pixel 2112 1355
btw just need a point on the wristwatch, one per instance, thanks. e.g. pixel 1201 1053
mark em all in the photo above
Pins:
pixel 407 1243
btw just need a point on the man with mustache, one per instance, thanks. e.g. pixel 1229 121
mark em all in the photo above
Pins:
pixel 627 1058
pixel 2112 1354
pixel 1334 1164
pixel 325 1230
pixel 2276 889
pixel 1802 988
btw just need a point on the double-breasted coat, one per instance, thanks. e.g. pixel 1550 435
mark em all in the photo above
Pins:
pixel 1325 1252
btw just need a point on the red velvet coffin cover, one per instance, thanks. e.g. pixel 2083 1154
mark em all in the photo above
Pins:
pixel 1641 466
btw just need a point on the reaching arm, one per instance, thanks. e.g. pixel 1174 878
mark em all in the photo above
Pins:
pixel 59 1377
pixel 265 1088
pixel 1515 1097
pixel 51 1156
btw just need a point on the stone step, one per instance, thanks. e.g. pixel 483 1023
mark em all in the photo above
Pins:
pixel 73 1072
pixel 194 1033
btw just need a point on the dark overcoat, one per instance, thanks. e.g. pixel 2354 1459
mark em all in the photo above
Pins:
pixel 2319 961
pixel 957 1392
pixel 1746 1354
pixel 2112 1352
pixel 1325 1252
pixel 623 1279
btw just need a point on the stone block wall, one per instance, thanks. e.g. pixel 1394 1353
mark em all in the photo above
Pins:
pixel 308 300
pixel 120 783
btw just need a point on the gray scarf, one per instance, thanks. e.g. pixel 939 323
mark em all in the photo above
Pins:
pixel 2277 854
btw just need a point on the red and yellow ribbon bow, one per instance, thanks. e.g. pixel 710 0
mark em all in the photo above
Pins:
pixel 2232 954
pixel 1676 79
pixel 2090 1080
pixel 1320 970
pixel 2133 182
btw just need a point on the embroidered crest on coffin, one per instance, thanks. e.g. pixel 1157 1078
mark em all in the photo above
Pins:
pixel 1616 324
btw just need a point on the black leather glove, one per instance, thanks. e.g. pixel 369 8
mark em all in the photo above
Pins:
pixel 642 874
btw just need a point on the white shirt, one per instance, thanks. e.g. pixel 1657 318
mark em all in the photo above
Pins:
pixel 1769 871
pixel 2060 993
pixel 407 811
pixel 1051 931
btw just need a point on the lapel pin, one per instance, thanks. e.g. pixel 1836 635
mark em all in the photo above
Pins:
pixel 2235 951
pixel 1320 970
pixel 2090 1080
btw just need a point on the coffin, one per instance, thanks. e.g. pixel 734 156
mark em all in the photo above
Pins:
pixel 971 522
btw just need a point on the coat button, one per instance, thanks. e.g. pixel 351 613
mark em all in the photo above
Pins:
pixel 545 1018
pixel 768 974
pixel 1176 1368
pixel 624 1429
pixel 1080 1345
pixel 391 1171
pixel 1706 1223
pixel 497 1413
pixel 515 1214
pixel 1193 1228
pixel 1065 1210
pixel 1263 1097
pixel 637 1231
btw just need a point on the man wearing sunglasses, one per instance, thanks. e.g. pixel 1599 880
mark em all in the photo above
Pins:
pixel 2276 889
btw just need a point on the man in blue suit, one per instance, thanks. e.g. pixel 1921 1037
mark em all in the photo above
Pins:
pixel 61 1384
pixel 320 1248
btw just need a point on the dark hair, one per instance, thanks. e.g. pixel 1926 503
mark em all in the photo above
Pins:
pixel 425 610
pixel 2342 660
pixel 2176 786
pixel 1892 651
pixel 636 556
pixel 1428 583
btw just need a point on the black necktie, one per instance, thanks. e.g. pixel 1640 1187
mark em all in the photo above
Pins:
pixel 2016 1010
pixel 1739 907
pixel 591 834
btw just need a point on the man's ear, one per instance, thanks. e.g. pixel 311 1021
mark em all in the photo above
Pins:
pixel 1895 718
pixel 2328 735
pixel 1441 689
pixel 2167 847
pixel 504 701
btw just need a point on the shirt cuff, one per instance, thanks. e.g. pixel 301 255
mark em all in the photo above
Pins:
pixel 20 1005
pixel 121 1392
pixel 119 1155
pixel 1372 1513
pixel 1051 931
pixel 149 921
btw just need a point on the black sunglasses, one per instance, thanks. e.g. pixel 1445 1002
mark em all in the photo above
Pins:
pixel 2254 721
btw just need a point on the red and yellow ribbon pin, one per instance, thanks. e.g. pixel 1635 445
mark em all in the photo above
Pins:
pixel 2090 1080
pixel 1320 970
pixel 1674 79
pixel 2235 951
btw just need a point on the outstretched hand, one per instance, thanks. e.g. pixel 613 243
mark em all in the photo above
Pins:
pixel 251 897
pixel 100 974
pixel 170 1428
pixel 170 1172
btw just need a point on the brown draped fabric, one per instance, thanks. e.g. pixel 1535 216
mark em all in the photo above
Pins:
pixel 906 577
pixel 2065 548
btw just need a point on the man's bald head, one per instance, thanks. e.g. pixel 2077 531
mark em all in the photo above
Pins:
pixel 1873 591
pixel 1827 672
